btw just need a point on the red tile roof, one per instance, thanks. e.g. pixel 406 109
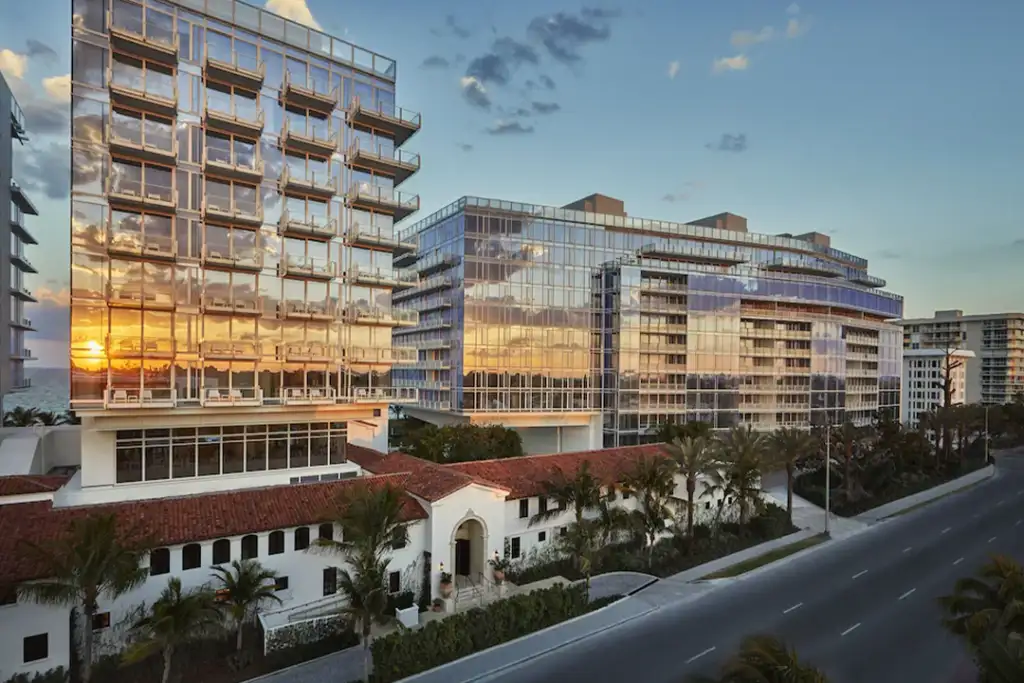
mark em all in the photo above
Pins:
pixel 174 521
pixel 430 481
pixel 21 484
pixel 525 476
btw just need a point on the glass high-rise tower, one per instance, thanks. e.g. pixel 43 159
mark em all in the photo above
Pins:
pixel 234 201
pixel 581 326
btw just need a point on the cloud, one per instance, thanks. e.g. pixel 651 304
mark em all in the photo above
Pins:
pixel 12 64
pixel 58 87
pixel 796 28
pixel 891 255
pixel 684 193
pixel 452 27
pixel 546 81
pixel 673 69
pixel 564 34
pixel 46 169
pixel 723 64
pixel 793 9
pixel 465 146
pixel 741 39
pixel 52 295
pixel 497 66
pixel 730 143
pixel 509 128
pixel 435 62
pixel 474 92
pixel 296 10
pixel 34 48
pixel 545 107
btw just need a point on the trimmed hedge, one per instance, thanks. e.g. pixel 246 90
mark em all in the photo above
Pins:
pixel 405 653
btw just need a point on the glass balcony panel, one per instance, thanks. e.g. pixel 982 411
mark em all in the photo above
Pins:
pixel 159 27
pixel 127 16
pixel 127 75
pixel 158 135
pixel 126 128
pixel 160 84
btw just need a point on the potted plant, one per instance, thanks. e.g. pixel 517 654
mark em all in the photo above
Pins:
pixel 437 605
pixel 499 565
pixel 446 584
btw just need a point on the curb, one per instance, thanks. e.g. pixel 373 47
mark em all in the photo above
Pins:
pixel 926 501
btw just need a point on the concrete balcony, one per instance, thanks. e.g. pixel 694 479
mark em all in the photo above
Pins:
pixel 236 69
pixel 229 350
pixel 144 37
pixel 375 198
pixel 309 396
pixel 231 397
pixel 232 166
pixel 384 394
pixel 323 186
pixel 383 158
pixel 249 261
pixel 138 347
pixel 307 267
pixel 398 123
pixel 19 228
pixel 140 245
pixel 137 397
pixel 239 119
pixel 21 262
pixel 308 95
pixel 317 140
pixel 237 306
pixel 862 278
pixel 22 293
pixel 23 355
pixel 21 200
pixel 143 143
pixel 248 214
pixel 307 227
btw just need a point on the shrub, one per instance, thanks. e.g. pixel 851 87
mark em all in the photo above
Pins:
pixel 58 675
pixel 397 601
pixel 405 653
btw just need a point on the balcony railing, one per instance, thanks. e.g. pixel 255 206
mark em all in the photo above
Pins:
pixel 18 226
pixel 136 397
pixel 24 323
pixel 230 164
pixel 151 141
pixel 792 263
pixel 144 89
pixel 398 123
pixel 368 275
pixel 160 247
pixel 384 394
pixel 309 395
pixel 307 351
pixel 230 396
pixel 726 256
pixel 249 213
pixel 295 225
pixel 144 35
pixel 141 193
pixel 308 266
pixel 246 71
pixel 229 350
pixel 320 140
pixel 426 286
pixel 360 235
pixel 241 119
pixel 322 184
pixel 315 96
pixel 306 310
pixel 436 262
pixel 22 292
pixel 21 262
pixel 235 306
pixel 372 354
pixel 21 200
pixel 383 158
pixel 237 259
pixel 138 347
pixel 370 196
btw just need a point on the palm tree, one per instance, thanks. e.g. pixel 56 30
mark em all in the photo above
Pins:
pixel 1001 656
pixel 177 617
pixel 765 659
pixel 653 482
pixel 668 432
pixel 89 563
pixel 979 603
pixel 244 586
pixel 791 446
pixel 697 459
pixel 372 520
pixel 582 493
pixel 848 436
pixel 743 451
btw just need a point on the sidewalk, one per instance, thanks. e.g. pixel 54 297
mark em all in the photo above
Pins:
pixel 897 506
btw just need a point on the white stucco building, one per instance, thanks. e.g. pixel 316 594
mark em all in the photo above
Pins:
pixel 459 515
pixel 924 372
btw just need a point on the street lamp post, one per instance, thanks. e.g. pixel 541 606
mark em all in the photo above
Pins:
pixel 986 435
pixel 828 474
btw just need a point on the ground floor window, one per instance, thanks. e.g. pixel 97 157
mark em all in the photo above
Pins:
pixel 36 647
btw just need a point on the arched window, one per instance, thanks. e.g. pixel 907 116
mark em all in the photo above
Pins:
pixel 327 531
pixel 250 547
pixel 191 556
pixel 302 538
pixel 221 551
pixel 276 542
pixel 159 561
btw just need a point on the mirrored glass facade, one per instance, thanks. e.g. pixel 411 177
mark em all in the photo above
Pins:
pixel 527 308
pixel 235 193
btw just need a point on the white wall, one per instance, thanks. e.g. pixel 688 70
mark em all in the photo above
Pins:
pixel 369 433
pixel 561 439
pixel 20 621
pixel 472 502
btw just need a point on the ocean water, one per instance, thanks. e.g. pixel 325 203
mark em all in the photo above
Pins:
pixel 50 391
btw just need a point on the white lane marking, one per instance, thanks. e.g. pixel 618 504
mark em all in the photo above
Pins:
pixel 947 530
pixel 696 657
pixel 860 573
pixel 851 629
pixel 908 549
pixel 908 593
pixel 1000 502
pixel 958 561
pixel 991 539
pixel 796 606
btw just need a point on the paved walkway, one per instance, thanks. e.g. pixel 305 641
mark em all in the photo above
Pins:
pixel 889 509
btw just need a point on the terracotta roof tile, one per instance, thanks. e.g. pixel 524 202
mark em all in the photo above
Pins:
pixel 428 480
pixel 173 521
pixel 525 476
pixel 21 484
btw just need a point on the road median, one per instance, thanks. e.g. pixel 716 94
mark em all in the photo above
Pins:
pixel 748 565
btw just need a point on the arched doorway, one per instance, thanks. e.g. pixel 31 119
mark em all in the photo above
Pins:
pixel 468 549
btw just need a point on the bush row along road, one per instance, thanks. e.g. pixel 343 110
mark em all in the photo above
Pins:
pixel 863 608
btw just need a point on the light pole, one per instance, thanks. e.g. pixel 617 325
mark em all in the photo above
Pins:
pixel 986 435
pixel 828 474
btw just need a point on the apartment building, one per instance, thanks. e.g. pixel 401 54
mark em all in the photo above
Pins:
pixel 924 377
pixel 15 207
pixel 234 201
pixel 583 327
pixel 996 340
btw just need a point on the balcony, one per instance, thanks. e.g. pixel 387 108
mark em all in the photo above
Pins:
pixel 147 142
pixel 309 396
pixel 383 159
pixel 384 394
pixel 374 315
pixel 432 364
pixel 130 87
pixel 237 306
pixel 141 245
pixel 236 69
pixel 134 298
pixel 359 235
pixel 307 351
pixel 804 266
pixel 318 140
pixel 18 227
pixel 226 350
pixel 230 397
pixel 386 277
pixel 21 384
pixel 434 303
pixel 307 227
pixel 307 267
pixel 245 120
pixel 21 200
pixel 434 344
pixel 136 397
pixel 400 124
pixel 228 164
pixel 247 260
pixel 305 310
pixel 23 324
pixel 137 194
pixel 21 262
pixel 863 278
pixel 436 262
pixel 381 355
pixel 18 131
pixel 430 284
pixel 315 97
pixel 138 347
pixel 243 213
pixel 723 256
pixel 404 259
pixel 23 355
pixel 22 293
pixel 321 185
pixel 376 198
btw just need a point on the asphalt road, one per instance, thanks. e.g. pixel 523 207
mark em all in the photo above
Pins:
pixel 863 609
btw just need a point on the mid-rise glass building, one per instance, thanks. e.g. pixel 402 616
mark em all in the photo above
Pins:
pixel 583 327
pixel 235 192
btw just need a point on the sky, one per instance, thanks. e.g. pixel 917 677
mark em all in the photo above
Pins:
pixel 891 126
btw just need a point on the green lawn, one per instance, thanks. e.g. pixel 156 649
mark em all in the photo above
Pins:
pixel 767 558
